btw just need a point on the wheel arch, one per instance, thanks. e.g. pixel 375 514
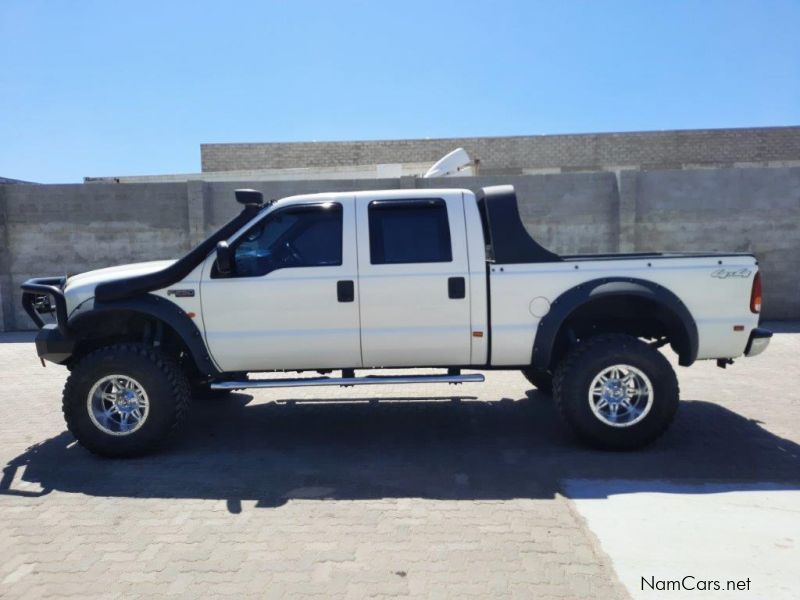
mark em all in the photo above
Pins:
pixel 633 306
pixel 119 319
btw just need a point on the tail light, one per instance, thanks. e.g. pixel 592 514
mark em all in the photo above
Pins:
pixel 755 294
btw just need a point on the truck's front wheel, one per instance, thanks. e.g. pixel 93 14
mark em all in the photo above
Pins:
pixel 541 380
pixel 125 400
pixel 616 392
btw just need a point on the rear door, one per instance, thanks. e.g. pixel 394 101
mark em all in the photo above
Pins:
pixel 413 280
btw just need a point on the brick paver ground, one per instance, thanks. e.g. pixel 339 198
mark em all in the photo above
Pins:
pixel 440 492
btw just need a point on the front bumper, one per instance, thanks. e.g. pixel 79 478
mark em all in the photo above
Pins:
pixel 53 345
pixel 44 295
pixel 758 342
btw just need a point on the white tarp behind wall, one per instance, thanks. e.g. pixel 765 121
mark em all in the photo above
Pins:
pixel 455 164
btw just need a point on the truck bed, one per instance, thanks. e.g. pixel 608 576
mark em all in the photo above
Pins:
pixel 654 255
pixel 714 287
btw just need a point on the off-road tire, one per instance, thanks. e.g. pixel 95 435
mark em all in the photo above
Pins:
pixel 573 377
pixel 542 381
pixel 164 382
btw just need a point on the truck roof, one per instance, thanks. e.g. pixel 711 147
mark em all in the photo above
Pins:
pixel 367 194
pixel 506 239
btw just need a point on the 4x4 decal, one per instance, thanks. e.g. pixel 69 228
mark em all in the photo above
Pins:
pixel 731 273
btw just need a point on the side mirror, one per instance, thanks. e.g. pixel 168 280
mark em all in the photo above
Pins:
pixel 224 258
pixel 249 197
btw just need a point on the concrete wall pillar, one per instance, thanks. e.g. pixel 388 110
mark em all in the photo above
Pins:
pixel 627 188
pixel 6 293
pixel 408 182
pixel 196 203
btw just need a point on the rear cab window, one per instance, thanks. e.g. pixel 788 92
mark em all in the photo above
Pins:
pixel 409 231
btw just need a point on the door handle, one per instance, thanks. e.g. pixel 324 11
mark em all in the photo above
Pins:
pixel 345 291
pixel 456 288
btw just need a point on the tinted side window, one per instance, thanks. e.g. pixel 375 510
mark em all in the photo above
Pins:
pixel 413 231
pixel 303 236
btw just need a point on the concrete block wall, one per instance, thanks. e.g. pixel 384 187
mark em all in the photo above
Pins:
pixel 55 229
pixel 744 210
pixel 775 146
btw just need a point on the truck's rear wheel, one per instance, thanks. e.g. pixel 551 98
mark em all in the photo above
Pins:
pixel 616 392
pixel 125 400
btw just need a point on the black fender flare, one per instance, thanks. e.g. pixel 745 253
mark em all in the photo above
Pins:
pixel 565 304
pixel 157 308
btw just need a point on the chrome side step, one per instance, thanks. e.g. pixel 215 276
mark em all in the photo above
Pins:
pixel 347 381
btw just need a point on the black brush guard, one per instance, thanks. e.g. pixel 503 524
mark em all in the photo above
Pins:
pixel 42 295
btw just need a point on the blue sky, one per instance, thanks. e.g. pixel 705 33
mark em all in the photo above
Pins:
pixel 124 87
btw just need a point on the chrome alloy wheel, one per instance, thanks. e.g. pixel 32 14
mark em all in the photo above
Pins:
pixel 118 405
pixel 621 396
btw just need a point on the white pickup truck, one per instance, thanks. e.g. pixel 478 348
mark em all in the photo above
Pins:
pixel 441 278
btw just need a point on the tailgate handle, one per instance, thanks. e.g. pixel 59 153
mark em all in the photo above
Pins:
pixel 456 288
pixel 345 291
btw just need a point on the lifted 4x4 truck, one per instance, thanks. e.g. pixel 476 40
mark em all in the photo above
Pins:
pixel 440 278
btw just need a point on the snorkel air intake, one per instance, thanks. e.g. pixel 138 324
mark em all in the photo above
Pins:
pixel 252 200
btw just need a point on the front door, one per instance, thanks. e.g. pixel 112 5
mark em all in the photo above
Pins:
pixel 413 280
pixel 291 301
